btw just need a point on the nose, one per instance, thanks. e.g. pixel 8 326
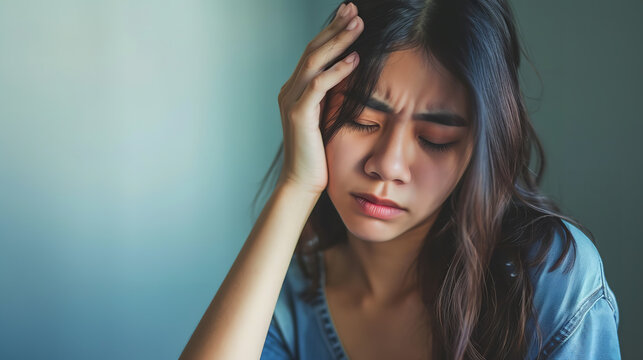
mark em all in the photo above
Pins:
pixel 390 158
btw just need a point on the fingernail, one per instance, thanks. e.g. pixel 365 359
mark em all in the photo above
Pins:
pixel 350 58
pixel 339 11
pixel 345 10
pixel 352 24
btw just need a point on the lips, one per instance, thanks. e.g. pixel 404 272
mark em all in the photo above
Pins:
pixel 378 201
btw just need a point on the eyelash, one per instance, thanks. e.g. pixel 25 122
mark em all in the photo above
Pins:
pixel 370 128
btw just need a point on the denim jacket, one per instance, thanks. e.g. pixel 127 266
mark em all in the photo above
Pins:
pixel 577 312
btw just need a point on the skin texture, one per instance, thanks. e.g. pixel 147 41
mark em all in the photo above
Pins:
pixel 392 163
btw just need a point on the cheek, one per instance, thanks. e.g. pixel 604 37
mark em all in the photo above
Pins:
pixel 437 177
pixel 441 173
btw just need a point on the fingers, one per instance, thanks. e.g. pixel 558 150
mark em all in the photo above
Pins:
pixel 318 87
pixel 328 44
pixel 331 49
pixel 343 15
pixel 342 18
pixel 319 58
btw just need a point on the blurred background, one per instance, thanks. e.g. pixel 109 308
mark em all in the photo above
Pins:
pixel 134 136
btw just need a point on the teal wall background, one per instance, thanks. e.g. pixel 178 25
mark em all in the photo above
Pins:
pixel 134 134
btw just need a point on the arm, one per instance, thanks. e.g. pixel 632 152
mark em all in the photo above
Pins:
pixel 236 322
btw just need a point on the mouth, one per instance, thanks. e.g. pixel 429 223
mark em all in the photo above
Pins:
pixel 379 211
pixel 378 201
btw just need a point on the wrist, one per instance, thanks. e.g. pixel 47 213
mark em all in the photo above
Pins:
pixel 290 183
pixel 304 190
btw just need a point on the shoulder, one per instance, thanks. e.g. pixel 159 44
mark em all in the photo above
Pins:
pixel 566 297
pixel 581 270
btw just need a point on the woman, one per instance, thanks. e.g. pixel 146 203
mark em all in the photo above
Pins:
pixel 418 228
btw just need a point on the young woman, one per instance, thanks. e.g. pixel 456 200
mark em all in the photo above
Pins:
pixel 418 229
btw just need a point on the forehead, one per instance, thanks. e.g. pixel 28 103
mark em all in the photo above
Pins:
pixel 409 77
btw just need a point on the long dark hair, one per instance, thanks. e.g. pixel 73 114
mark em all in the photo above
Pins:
pixel 497 212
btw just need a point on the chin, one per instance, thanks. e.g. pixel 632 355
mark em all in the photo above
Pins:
pixel 370 229
pixel 371 238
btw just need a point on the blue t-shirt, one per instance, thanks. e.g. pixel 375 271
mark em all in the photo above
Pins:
pixel 577 312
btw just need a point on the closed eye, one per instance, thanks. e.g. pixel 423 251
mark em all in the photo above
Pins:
pixel 425 143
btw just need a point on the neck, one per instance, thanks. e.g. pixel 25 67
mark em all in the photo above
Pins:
pixel 377 272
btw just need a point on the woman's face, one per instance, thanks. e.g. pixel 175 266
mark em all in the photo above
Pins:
pixel 391 160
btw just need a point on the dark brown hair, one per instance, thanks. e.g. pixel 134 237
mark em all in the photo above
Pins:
pixel 496 213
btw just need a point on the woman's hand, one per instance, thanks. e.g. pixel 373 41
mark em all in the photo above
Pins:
pixel 302 96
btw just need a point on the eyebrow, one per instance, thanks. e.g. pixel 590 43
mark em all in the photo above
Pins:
pixel 442 117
